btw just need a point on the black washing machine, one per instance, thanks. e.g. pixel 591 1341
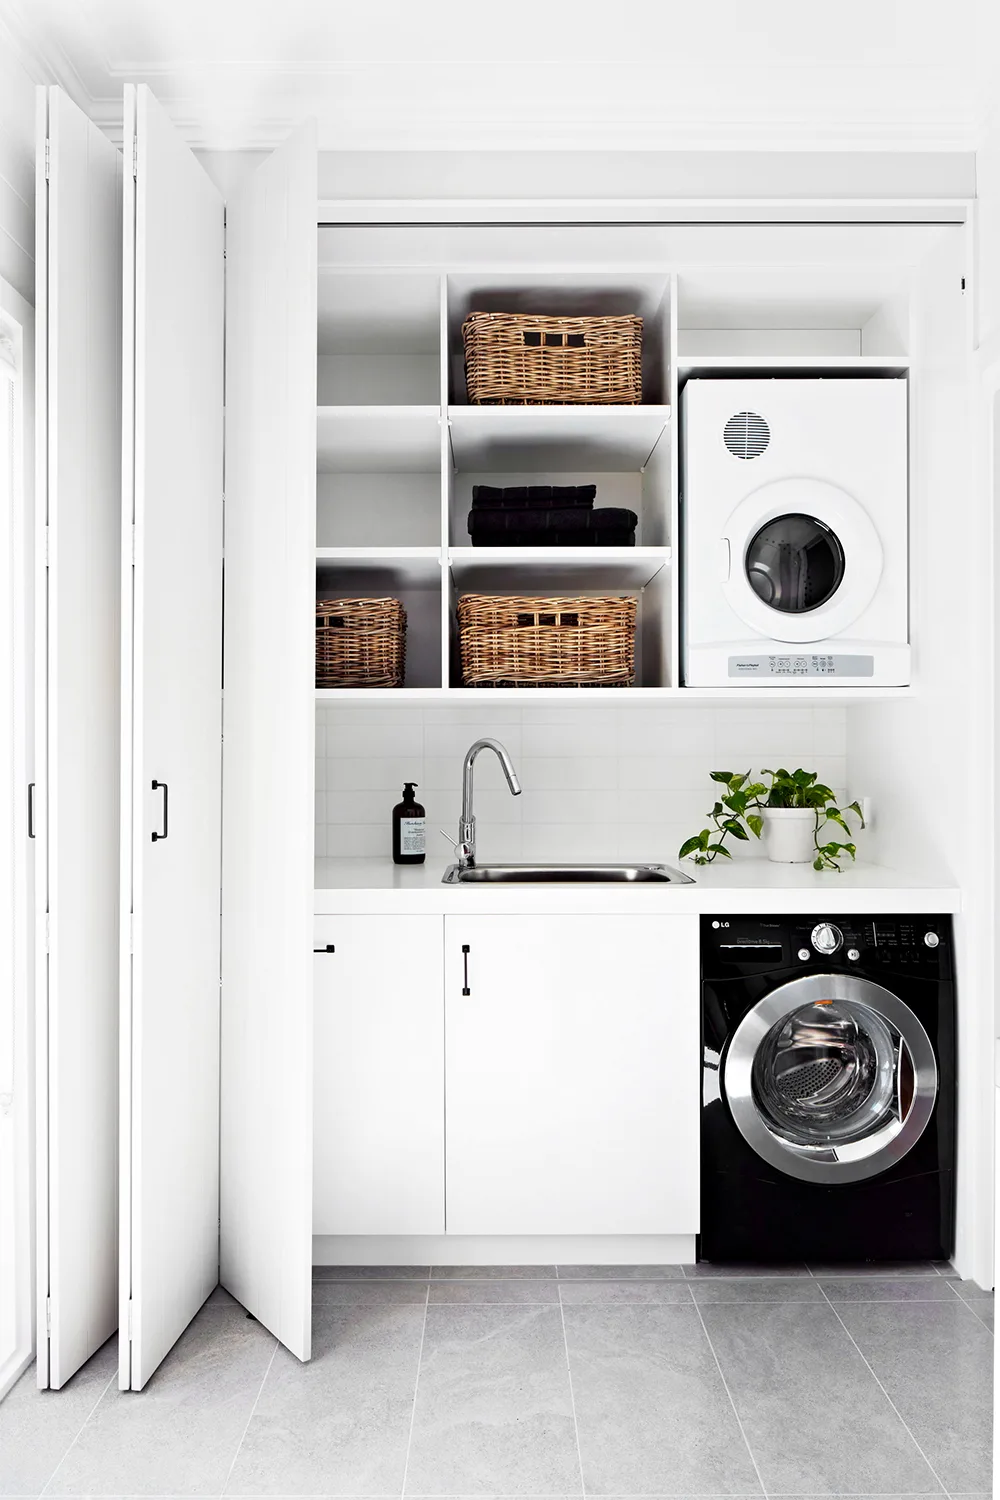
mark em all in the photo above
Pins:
pixel 828 1089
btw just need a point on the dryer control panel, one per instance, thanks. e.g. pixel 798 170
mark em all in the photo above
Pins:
pixel 748 945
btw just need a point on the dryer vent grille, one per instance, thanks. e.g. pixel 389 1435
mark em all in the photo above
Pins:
pixel 746 435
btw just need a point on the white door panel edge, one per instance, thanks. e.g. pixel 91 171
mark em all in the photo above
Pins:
pixel 78 256
pixel 267 958
pixel 171 726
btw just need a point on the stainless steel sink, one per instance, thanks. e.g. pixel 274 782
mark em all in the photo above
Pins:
pixel 563 874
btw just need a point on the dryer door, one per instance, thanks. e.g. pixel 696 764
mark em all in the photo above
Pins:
pixel 805 560
pixel 830 1078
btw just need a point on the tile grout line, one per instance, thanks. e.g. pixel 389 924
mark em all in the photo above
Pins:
pixel 572 1397
pixel 906 1425
pixel 725 1387
pixel 416 1383
pixel 256 1399
pixel 111 1379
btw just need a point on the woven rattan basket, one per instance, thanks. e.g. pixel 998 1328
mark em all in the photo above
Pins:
pixel 360 643
pixel 525 359
pixel 561 641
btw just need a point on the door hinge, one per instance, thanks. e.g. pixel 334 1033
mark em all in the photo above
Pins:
pixel 48 1315
pixel 129 1318
pixel 135 157
pixel 48 159
pixel 133 544
pixel 45 544
pixel 131 933
pixel 48 931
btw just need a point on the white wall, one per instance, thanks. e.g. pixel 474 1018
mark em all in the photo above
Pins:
pixel 17 169
pixel 598 783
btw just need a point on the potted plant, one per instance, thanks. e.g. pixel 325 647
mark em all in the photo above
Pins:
pixel 792 809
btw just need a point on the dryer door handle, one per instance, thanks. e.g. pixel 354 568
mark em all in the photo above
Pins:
pixel 725 559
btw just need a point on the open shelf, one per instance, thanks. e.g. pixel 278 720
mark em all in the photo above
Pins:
pixel 411 574
pixel 378 439
pixel 565 294
pixel 379 338
pixel 833 365
pixel 561 570
pixel 556 439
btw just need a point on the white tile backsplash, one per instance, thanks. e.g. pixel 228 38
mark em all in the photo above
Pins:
pixel 599 783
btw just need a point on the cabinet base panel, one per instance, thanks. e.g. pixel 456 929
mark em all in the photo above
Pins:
pixel 504 1250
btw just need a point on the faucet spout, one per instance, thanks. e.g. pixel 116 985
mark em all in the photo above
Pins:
pixel 467 825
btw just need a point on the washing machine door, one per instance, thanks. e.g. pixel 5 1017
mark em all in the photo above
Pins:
pixel 802 560
pixel 830 1078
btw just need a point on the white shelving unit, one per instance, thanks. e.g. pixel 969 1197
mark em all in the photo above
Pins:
pixel 400 449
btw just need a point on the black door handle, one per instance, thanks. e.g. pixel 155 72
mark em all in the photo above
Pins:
pixel 31 809
pixel 465 970
pixel 161 786
pixel 330 948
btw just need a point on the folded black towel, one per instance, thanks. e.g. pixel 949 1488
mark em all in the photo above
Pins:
pixel 533 496
pixel 573 527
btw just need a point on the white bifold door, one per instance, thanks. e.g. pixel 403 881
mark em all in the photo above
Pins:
pixel 78 542
pixel 216 952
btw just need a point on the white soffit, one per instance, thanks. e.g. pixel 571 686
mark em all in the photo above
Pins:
pixel 655 75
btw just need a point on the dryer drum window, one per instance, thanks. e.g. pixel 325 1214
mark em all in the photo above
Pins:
pixel 795 563
pixel 831 1072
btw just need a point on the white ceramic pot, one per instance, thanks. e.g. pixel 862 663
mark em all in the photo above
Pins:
pixel 788 834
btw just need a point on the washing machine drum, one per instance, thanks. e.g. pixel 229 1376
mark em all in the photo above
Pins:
pixel 830 1078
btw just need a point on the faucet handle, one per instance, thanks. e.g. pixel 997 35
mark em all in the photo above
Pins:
pixel 461 849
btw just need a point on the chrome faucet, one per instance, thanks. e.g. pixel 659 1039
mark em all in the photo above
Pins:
pixel 466 846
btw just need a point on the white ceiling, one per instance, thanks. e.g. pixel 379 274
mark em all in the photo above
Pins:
pixel 545 74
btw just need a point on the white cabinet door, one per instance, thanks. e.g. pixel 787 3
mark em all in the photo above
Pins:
pixel 78 547
pixel 267 861
pixel 379 1076
pixel 572 1075
pixel 172 737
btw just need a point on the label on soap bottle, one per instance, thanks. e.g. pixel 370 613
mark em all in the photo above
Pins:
pixel 412 839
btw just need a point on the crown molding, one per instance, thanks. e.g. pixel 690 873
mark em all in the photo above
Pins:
pixel 41 56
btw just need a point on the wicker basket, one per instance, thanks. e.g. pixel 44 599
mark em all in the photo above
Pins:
pixel 360 643
pixel 574 641
pixel 525 359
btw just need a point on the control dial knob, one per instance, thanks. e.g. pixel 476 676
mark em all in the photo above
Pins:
pixel 931 939
pixel 826 938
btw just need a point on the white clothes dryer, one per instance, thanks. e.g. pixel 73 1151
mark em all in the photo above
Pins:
pixel 794 535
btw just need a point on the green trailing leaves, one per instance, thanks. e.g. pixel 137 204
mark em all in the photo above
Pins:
pixel 739 814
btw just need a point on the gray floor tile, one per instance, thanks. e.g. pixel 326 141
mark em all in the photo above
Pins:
pixel 369 1293
pixel 621 1273
pixel 340 1424
pixel 944 1268
pixel 494 1414
pixel 180 1434
pixel 588 1293
pixel 518 1290
pixel 37 1427
pixel 221 1298
pixel 813 1414
pixel 875 1268
pixel 984 1312
pixel 371 1273
pixel 887 1288
pixel 496 1273
pixel 971 1291
pixel 712 1289
pixel 936 1362
pixel 705 1268
pixel 651 1408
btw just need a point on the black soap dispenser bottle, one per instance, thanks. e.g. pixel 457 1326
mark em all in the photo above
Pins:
pixel 409 829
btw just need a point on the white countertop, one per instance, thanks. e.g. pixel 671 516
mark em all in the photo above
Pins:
pixel 353 886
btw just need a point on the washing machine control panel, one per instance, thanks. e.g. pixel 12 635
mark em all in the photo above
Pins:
pixel 867 944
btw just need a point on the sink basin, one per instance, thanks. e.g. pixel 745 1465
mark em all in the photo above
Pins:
pixel 563 875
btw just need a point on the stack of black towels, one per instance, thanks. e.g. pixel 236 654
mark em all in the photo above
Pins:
pixel 547 515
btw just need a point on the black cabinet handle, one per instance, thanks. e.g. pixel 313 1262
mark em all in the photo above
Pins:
pixel 330 948
pixel 161 786
pixel 31 809
pixel 465 969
